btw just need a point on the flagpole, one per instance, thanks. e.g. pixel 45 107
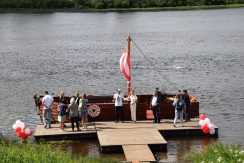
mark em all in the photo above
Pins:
pixel 128 82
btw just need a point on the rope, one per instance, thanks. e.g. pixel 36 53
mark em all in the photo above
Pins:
pixel 152 64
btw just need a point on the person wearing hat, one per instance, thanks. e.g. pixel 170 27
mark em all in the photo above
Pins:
pixel 118 102
pixel 186 100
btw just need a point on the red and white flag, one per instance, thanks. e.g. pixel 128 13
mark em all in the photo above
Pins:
pixel 125 65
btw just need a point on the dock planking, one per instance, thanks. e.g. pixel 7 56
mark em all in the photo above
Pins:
pixel 142 136
pixel 141 153
pixel 112 141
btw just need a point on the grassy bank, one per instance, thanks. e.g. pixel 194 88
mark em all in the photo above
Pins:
pixel 217 153
pixel 41 153
pixel 203 7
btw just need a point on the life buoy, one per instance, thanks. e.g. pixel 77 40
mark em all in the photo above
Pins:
pixel 94 110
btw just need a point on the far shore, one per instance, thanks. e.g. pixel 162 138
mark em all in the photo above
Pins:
pixel 71 10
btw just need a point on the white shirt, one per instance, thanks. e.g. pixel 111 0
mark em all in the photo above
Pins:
pixel 154 101
pixel 47 101
pixel 133 99
pixel 118 99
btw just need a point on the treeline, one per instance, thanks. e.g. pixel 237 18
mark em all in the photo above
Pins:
pixel 105 4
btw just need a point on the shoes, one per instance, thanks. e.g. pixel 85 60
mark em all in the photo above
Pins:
pixel 116 121
pixel 45 126
pixel 78 129
pixel 49 127
pixel 174 125
pixel 122 121
pixel 154 122
pixel 181 126
pixel 158 121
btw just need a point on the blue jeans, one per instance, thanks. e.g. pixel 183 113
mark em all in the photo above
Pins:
pixel 47 112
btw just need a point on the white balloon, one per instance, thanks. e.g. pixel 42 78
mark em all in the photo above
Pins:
pixel 210 126
pixel 27 131
pixel 14 126
pixel 207 121
pixel 202 122
pixel 17 122
pixel 212 131
pixel 22 125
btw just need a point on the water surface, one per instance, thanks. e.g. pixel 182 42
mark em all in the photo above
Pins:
pixel 202 51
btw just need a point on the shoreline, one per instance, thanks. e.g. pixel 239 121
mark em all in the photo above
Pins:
pixel 155 9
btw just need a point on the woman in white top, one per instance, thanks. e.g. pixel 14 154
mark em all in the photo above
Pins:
pixel 133 100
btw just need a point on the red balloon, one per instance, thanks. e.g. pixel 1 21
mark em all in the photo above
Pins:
pixel 205 129
pixel 31 132
pixel 24 136
pixel 20 134
pixel 202 116
pixel 18 129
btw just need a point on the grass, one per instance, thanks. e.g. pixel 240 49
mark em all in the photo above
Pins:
pixel 217 153
pixel 21 10
pixel 41 153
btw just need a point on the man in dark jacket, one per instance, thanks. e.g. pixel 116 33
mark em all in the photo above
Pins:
pixel 186 99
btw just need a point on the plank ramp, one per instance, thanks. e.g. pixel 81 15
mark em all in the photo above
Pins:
pixel 141 153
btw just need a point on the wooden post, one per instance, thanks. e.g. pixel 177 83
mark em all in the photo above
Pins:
pixel 128 82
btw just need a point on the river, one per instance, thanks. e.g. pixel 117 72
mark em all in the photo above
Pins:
pixel 201 51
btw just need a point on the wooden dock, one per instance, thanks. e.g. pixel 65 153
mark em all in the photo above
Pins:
pixel 143 137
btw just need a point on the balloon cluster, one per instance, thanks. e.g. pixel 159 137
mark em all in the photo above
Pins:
pixel 22 131
pixel 206 125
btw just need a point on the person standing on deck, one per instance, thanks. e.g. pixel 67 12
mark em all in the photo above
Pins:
pixel 133 100
pixel 155 106
pixel 178 105
pixel 47 102
pixel 186 99
pixel 118 99
pixel 62 107
pixel 73 113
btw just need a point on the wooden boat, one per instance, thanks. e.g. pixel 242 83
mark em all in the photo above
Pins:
pixel 102 107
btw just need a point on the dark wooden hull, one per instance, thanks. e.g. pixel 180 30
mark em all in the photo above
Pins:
pixel 143 111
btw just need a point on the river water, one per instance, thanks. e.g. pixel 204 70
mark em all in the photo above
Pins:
pixel 202 51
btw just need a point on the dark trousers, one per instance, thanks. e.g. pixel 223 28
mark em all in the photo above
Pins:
pixel 74 120
pixel 156 113
pixel 119 113
pixel 186 113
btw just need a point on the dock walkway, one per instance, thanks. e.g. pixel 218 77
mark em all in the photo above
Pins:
pixel 144 137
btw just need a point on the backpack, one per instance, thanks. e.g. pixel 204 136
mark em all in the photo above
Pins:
pixel 179 105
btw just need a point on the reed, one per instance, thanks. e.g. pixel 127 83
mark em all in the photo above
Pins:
pixel 217 153
pixel 41 153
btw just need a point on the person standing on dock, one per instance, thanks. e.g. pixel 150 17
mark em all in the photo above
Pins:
pixel 62 107
pixel 73 113
pixel 83 111
pixel 118 99
pixel 179 105
pixel 155 106
pixel 133 100
pixel 186 99
pixel 47 102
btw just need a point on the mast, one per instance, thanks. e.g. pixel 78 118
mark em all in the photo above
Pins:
pixel 128 82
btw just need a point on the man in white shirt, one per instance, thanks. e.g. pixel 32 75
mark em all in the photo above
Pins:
pixel 47 103
pixel 155 106
pixel 118 99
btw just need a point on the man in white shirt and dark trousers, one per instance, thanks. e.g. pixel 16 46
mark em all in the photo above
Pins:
pixel 155 106
pixel 47 102
pixel 118 99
